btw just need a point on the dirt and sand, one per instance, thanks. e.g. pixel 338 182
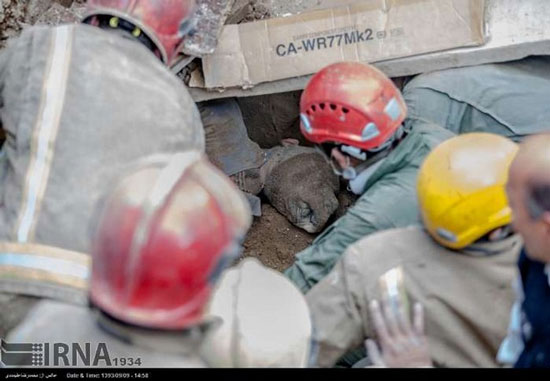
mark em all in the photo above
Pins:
pixel 274 240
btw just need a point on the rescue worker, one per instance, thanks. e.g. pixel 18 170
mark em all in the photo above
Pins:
pixel 78 103
pixel 459 265
pixel 528 343
pixel 354 113
pixel 266 321
pixel 164 235
pixel 506 98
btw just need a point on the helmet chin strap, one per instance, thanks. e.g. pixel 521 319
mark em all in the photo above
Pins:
pixel 123 28
pixel 351 173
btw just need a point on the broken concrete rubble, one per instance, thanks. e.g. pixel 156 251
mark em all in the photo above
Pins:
pixel 240 9
pixel 13 14
pixel 210 17
pixel 17 14
pixel 57 14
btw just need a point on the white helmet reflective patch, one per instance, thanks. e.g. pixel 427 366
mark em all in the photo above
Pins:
pixel 393 110
pixel 306 123
pixel 370 131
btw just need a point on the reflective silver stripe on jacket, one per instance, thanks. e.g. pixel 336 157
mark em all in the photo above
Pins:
pixel 44 271
pixel 45 130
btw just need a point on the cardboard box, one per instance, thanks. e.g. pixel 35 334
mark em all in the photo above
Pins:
pixel 516 29
pixel 368 31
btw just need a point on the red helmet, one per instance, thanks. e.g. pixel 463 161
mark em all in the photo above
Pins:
pixel 353 104
pixel 163 237
pixel 163 21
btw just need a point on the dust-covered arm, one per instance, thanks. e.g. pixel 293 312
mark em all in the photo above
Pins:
pixel 339 306
pixel 388 203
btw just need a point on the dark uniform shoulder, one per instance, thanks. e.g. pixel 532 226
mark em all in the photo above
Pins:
pixel 536 314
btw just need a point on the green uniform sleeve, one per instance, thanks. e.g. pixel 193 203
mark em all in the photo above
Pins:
pixel 508 99
pixel 389 203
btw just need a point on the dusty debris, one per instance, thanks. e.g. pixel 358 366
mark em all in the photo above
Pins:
pixel 36 8
pixel 17 14
pixel 274 240
pixel 211 16
pixel 302 187
pixel 13 15
pixel 252 10
pixel 282 8
pixel 258 10
pixel 240 9
pixel 58 14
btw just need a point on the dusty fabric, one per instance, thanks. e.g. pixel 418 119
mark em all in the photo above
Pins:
pixel 467 298
pixel 229 148
pixel 79 105
pixel 54 322
pixel 247 298
pixel 296 180
pixel 14 308
pixel 509 99
pixel 389 201
pixel 227 143
pixel 302 187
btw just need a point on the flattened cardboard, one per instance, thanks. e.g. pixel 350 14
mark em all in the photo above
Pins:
pixel 367 31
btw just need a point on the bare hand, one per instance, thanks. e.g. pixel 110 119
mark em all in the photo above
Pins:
pixel 402 345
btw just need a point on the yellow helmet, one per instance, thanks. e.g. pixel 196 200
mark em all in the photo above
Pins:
pixel 461 188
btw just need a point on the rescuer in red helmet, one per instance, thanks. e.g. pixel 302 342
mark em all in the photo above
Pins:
pixel 78 103
pixel 353 110
pixel 164 235
pixel 160 25
pixel 354 114
pixel 377 139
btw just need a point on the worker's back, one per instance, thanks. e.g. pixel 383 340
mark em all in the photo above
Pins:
pixel 467 295
pixel 80 104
